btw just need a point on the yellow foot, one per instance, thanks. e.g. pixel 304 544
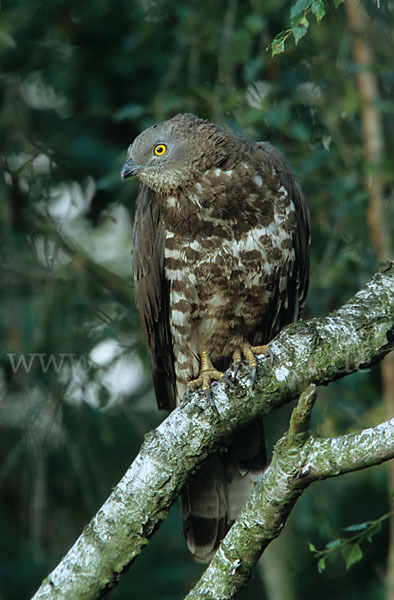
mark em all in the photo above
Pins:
pixel 250 353
pixel 208 373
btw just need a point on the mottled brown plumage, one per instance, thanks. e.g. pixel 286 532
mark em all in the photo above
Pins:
pixel 220 258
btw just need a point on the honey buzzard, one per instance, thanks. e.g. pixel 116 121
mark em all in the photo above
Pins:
pixel 221 263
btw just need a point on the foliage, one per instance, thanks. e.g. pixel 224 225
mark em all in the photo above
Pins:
pixel 350 546
pixel 78 82
pixel 299 19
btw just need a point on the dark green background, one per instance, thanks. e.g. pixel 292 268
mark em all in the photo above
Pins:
pixel 79 80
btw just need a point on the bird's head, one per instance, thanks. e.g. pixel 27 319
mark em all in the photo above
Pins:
pixel 173 153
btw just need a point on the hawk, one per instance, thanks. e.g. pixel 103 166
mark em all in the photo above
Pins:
pixel 221 263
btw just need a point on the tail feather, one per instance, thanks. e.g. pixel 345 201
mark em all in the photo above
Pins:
pixel 215 494
pixel 203 503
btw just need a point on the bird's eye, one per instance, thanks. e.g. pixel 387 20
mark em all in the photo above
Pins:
pixel 160 149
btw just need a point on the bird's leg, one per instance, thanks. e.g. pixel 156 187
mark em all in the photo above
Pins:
pixel 207 374
pixel 250 353
pixel 237 355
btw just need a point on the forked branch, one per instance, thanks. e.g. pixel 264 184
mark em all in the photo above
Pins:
pixel 316 351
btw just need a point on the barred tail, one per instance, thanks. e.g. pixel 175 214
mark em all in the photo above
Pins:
pixel 215 494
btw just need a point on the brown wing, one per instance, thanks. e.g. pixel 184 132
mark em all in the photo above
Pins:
pixel 152 294
pixel 298 279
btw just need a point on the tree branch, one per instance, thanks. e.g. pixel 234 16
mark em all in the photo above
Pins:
pixel 292 470
pixel 319 351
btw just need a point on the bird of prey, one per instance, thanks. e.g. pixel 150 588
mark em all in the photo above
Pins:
pixel 221 264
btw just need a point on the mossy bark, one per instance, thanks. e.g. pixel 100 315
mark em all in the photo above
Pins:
pixel 293 468
pixel 316 351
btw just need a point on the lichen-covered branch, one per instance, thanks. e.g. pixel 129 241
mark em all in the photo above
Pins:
pixel 317 351
pixel 292 469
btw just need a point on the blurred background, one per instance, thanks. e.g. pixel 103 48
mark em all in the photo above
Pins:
pixel 78 81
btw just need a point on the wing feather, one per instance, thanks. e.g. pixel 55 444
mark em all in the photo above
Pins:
pixel 298 278
pixel 152 294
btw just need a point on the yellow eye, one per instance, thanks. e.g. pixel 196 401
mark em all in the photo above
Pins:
pixel 160 149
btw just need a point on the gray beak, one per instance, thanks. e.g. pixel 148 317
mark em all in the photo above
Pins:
pixel 129 169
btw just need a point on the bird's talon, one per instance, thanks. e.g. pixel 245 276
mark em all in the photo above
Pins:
pixel 228 381
pixel 237 355
pixel 250 353
pixel 194 384
pixel 208 396
pixel 266 350
pixel 207 374
pixel 236 367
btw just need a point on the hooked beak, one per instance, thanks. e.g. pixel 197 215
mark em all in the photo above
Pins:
pixel 129 169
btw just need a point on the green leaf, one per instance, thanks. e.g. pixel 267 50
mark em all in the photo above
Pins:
pixel 356 527
pixel 321 565
pixel 338 3
pixel 300 30
pixel 299 7
pixel 334 543
pixel 376 528
pixel 318 9
pixel 351 554
pixel 278 45
pixel 312 547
